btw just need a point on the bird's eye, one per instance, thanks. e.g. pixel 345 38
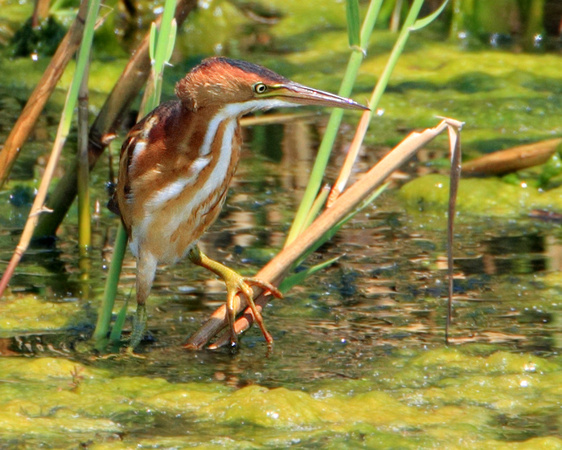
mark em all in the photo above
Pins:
pixel 260 88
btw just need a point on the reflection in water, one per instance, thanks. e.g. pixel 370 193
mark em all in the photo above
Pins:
pixel 502 255
pixel 298 157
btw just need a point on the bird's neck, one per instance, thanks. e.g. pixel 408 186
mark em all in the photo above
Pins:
pixel 222 126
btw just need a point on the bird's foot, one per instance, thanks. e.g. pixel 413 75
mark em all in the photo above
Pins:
pixel 236 284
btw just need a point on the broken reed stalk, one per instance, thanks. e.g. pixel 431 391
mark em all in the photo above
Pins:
pixel 350 158
pixel 347 202
pixel 28 117
pixel 455 151
pixel 40 12
pixel 38 206
pixel 124 92
pixel 513 159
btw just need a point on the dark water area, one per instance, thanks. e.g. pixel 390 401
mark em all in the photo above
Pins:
pixel 359 358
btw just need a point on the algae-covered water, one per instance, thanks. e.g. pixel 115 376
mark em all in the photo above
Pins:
pixel 359 358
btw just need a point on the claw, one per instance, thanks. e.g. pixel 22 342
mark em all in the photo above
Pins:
pixel 265 285
pixel 236 284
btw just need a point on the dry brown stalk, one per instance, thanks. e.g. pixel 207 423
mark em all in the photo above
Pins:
pixel 38 206
pixel 274 271
pixel 455 152
pixel 124 92
pixel 41 93
pixel 512 159
pixel 352 154
pixel 40 12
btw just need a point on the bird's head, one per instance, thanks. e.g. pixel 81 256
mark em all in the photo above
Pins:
pixel 218 82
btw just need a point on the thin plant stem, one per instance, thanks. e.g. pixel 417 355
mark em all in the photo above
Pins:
pixel 110 292
pixel 84 216
pixel 38 98
pixel 395 17
pixel 317 205
pixel 160 48
pixel 455 151
pixel 334 122
pixel 123 94
pixel 353 22
pixel 335 119
pixel 376 96
pixel 62 132
pixel 352 154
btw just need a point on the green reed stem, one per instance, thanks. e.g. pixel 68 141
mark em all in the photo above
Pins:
pixel 84 216
pixel 81 63
pixel 317 175
pixel 161 46
pixel 412 23
pixel 395 54
pixel 83 187
pixel 62 133
pixel 353 22
pixel 110 292
pixel 332 128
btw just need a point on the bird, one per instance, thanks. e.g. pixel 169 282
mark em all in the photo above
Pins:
pixel 176 165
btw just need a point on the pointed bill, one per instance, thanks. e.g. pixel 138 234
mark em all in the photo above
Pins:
pixel 304 95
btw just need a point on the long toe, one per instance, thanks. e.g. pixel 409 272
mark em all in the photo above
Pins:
pixel 265 285
pixel 243 286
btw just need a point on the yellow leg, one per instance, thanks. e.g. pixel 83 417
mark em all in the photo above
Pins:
pixel 235 284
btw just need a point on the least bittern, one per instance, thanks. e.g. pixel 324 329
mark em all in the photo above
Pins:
pixel 176 165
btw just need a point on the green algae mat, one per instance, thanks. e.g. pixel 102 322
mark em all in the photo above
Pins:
pixel 440 398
